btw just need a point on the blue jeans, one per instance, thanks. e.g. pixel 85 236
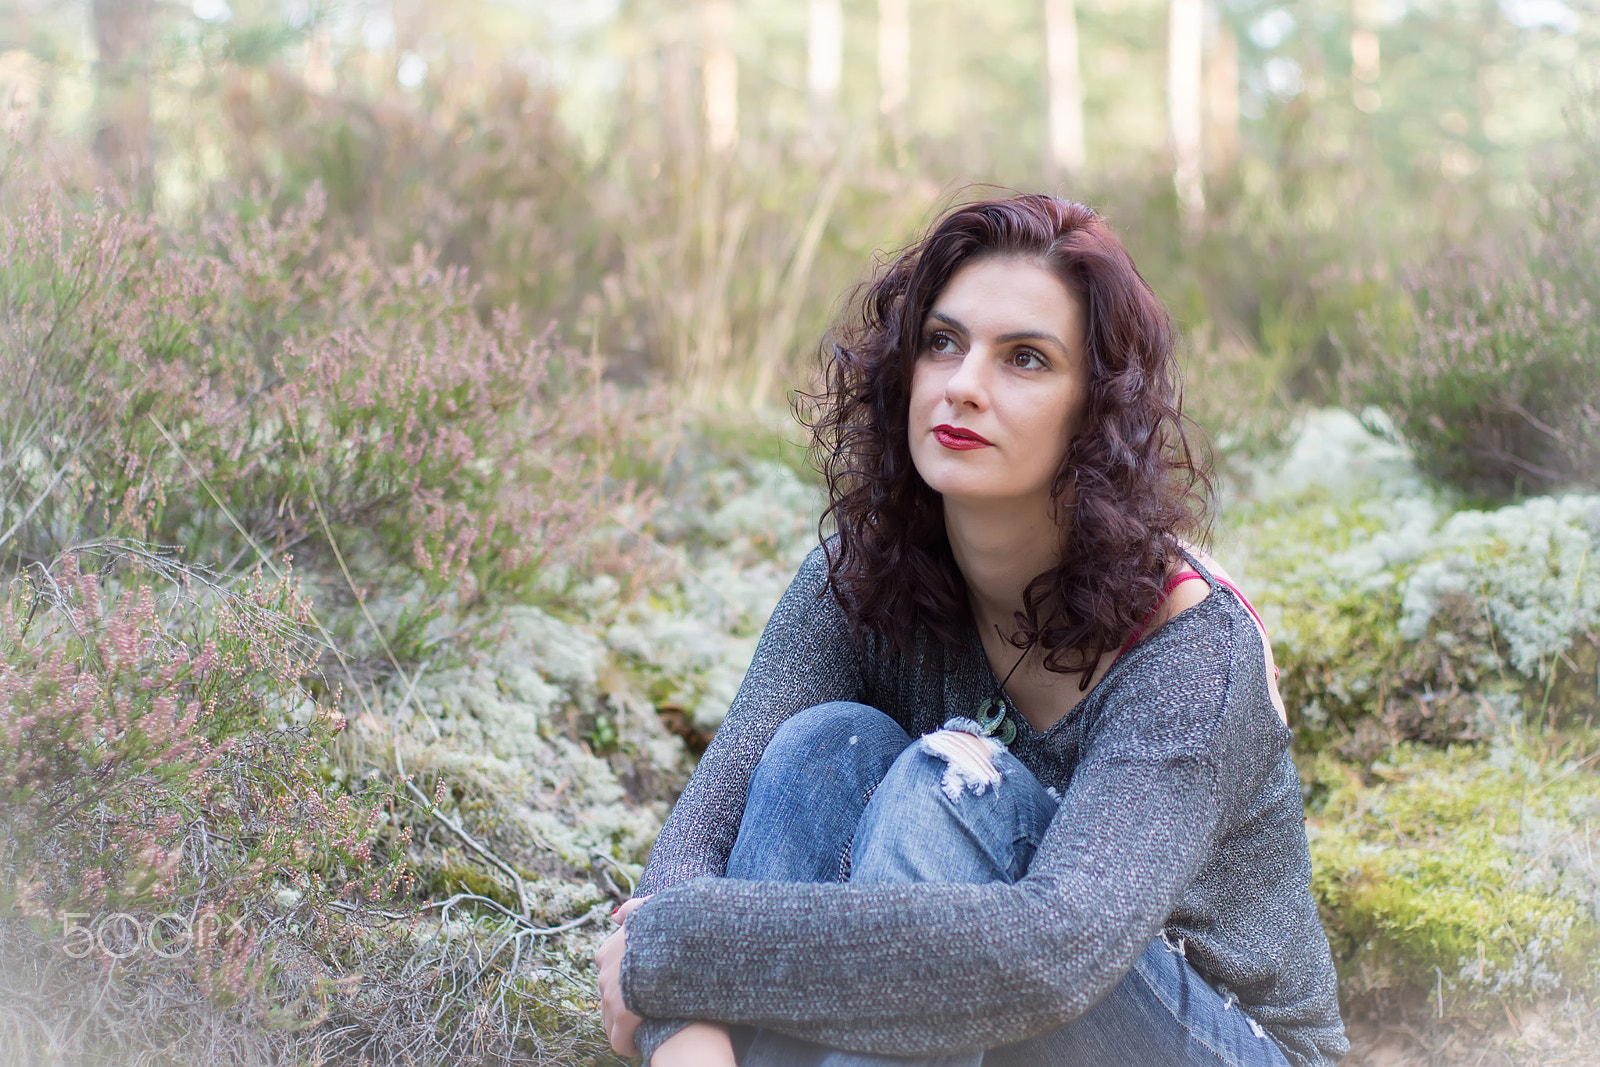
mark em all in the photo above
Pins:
pixel 842 794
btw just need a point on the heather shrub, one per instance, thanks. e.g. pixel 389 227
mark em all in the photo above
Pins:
pixel 167 816
pixel 1494 376
pixel 220 395
pixel 1279 266
pixel 249 387
pixel 478 168
pixel 717 269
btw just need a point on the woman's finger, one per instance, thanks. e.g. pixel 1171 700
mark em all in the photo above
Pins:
pixel 620 1023
pixel 627 908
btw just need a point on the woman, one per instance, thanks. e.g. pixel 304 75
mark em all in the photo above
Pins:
pixel 1093 851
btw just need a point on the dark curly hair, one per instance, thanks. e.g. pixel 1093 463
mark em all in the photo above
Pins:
pixel 1127 487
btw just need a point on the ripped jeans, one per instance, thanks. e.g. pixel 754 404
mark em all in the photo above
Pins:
pixel 842 794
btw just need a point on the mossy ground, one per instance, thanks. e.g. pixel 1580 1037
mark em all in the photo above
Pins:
pixel 1438 667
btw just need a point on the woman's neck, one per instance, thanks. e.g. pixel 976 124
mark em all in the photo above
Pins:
pixel 1000 550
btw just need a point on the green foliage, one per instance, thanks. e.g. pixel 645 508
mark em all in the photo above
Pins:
pixel 1438 669
pixel 230 391
pixel 484 176
pixel 718 271
pixel 1393 614
pixel 284 369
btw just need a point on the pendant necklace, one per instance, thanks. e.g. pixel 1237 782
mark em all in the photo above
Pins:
pixel 992 717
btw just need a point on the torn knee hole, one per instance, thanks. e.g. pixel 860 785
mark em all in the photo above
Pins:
pixel 969 761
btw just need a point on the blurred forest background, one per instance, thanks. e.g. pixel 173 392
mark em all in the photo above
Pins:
pixel 396 468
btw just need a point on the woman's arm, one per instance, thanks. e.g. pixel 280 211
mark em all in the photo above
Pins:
pixel 930 968
pixel 806 656
pixel 695 1045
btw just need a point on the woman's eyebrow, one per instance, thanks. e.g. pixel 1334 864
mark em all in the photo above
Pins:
pixel 1030 335
pixel 1005 338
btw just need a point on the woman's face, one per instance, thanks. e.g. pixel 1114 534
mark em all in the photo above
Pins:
pixel 1000 384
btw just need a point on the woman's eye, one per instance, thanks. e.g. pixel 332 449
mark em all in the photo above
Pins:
pixel 1027 357
pixel 939 342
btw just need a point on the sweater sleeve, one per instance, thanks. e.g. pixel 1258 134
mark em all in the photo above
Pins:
pixel 932 968
pixel 806 656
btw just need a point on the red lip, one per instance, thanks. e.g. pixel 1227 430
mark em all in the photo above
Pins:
pixel 960 440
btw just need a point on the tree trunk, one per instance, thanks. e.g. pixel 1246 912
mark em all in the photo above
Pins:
pixel 1364 56
pixel 719 74
pixel 894 64
pixel 1185 42
pixel 124 38
pixel 1222 103
pixel 678 108
pixel 1065 88
pixel 824 63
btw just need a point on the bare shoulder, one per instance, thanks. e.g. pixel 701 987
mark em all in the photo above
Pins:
pixel 1186 594
pixel 1206 561
pixel 1199 590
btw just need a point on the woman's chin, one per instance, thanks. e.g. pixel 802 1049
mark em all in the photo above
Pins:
pixel 986 497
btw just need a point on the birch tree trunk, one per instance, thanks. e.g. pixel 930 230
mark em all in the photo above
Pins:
pixel 824 63
pixel 1065 81
pixel 1364 56
pixel 123 37
pixel 678 107
pixel 1185 44
pixel 894 65
pixel 1222 102
pixel 719 75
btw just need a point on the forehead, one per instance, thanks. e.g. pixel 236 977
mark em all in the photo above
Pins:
pixel 1010 293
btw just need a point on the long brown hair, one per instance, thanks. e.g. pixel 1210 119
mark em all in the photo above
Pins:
pixel 1126 488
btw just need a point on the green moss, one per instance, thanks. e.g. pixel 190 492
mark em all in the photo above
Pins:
pixel 1448 872
pixel 1336 653
pixel 453 879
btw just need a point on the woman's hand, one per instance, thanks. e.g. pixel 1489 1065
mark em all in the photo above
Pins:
pixel 696 1045
pixel 620 1023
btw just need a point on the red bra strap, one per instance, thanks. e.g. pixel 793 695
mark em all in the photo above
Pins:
pixel 1173 583
pixel 1166 591
pixel 1245 601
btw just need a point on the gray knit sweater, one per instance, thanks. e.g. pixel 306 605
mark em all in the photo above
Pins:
pixel 1181 812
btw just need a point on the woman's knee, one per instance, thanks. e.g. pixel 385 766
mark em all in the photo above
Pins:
pixel 963 762
pixel 954 806
pixel 834 753
pixel 808 791
pixel 836 725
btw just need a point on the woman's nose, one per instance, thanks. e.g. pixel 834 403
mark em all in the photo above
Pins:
pixel 968 384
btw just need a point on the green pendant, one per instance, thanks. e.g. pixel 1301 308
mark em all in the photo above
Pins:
pixel 995 723
pixel 991 713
